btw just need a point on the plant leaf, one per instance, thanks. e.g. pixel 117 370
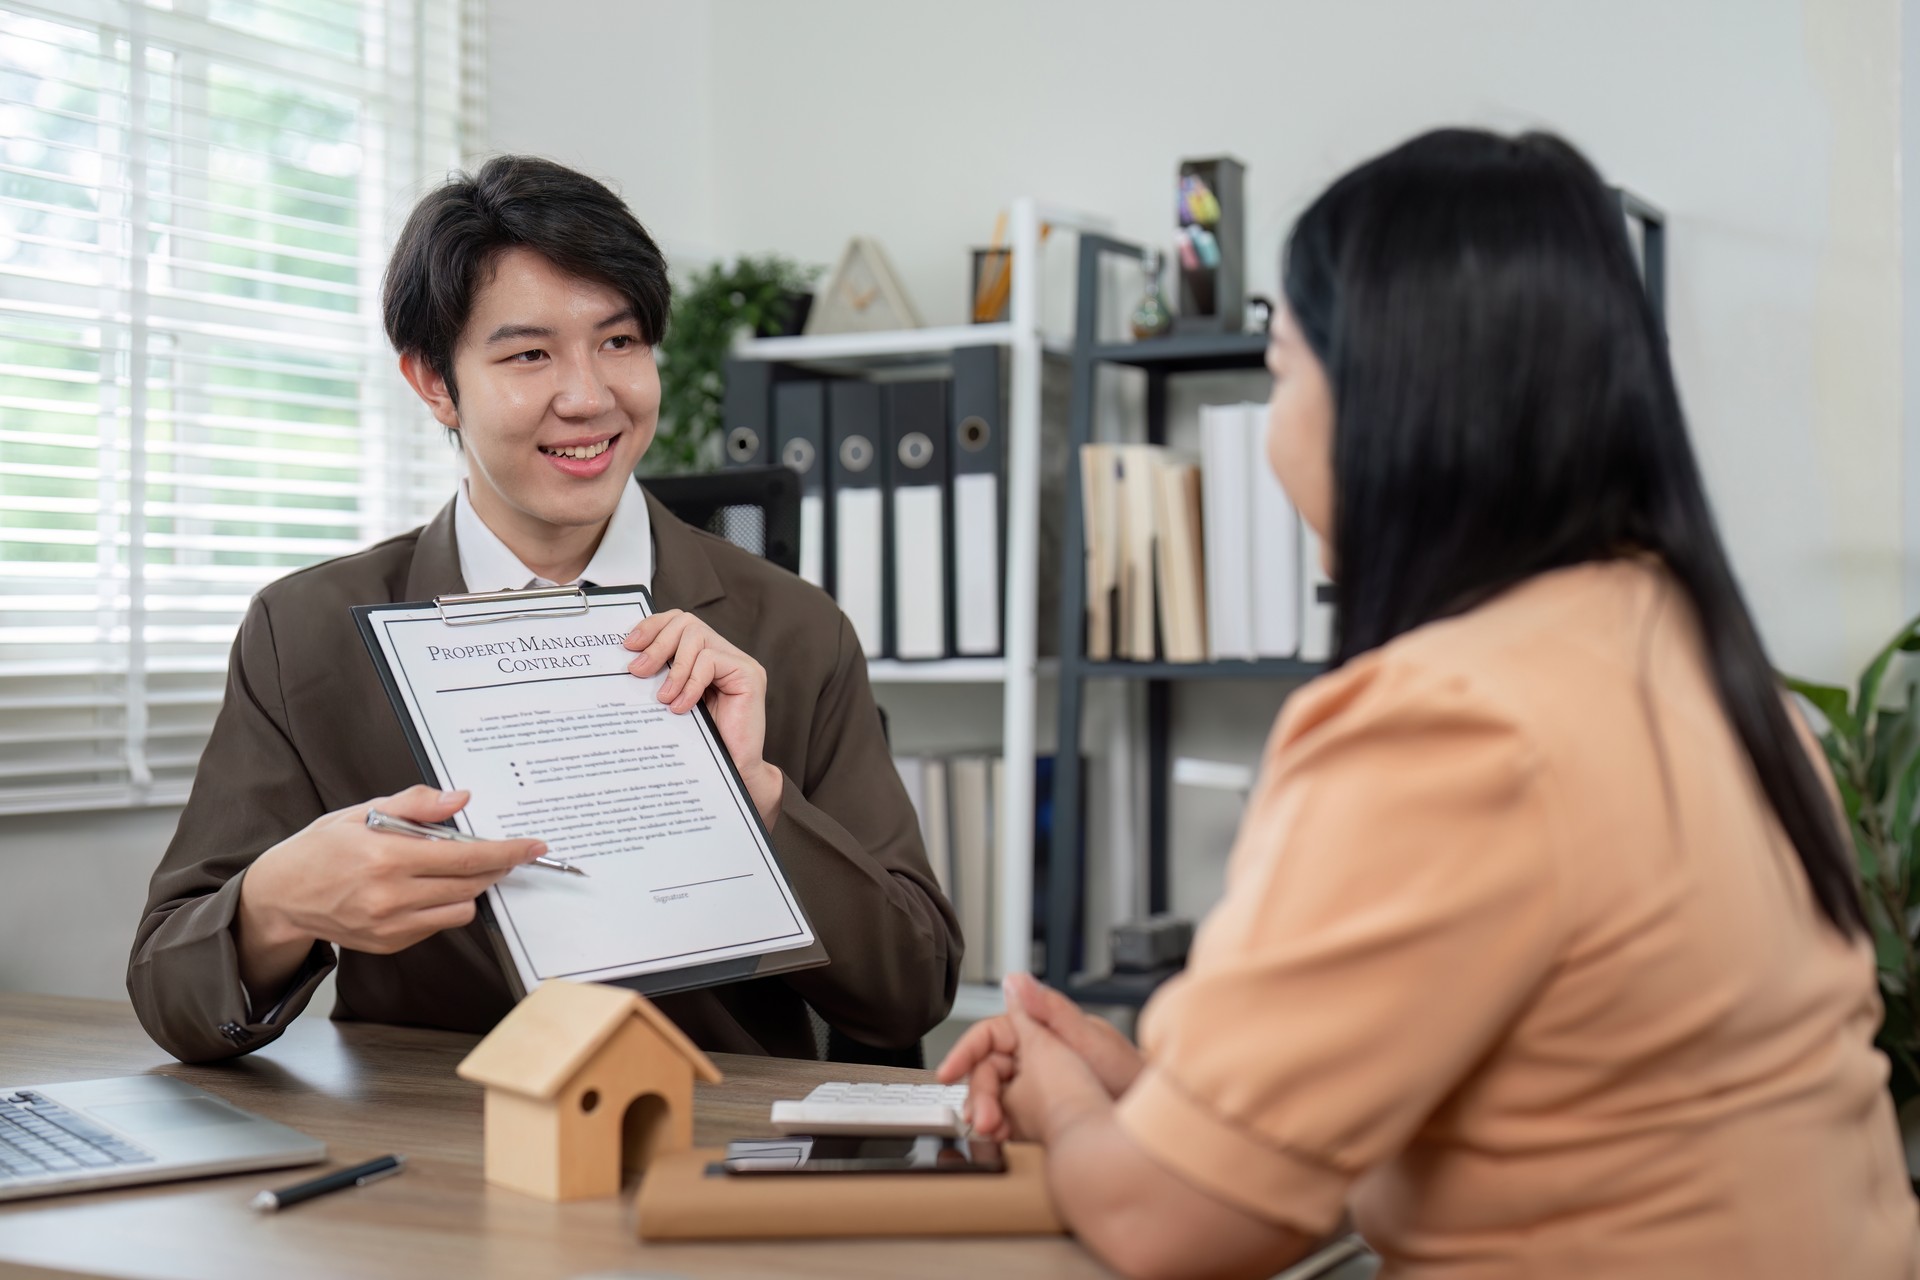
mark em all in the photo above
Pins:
pixel 1831 702
pixel 1849 800
pixel 1889 730
pixel 1906 791
pixel 1868 700
pixel 1889 946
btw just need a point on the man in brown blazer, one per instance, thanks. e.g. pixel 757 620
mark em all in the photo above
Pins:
pixel 526 302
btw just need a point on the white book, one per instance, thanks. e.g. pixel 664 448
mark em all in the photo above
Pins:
pixel 1138 465
pixel 1316 615
pixel 936 824
pixel 996 851
pixel 1275 547
pixel 1100 510
pixel 925 778
pixel 913 776
pixel 971 807
pixel 1226 497
pixel 1180 574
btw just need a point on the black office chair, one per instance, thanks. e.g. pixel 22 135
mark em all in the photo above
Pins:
pixel 758 510
pixel 755 508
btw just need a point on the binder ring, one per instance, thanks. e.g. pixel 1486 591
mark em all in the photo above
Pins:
pixel 856 453
pixel 916 450
pixel 974 434
pixel 743 444
pixel 798 455
pixel 575 597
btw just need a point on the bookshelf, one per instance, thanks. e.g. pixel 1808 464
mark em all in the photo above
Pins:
pixel 1188 353
pixel 950 671
pixel 1160 359
pixel 1018 672
pixel 1264 669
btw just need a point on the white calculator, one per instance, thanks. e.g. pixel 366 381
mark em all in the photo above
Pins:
pixel 879 1110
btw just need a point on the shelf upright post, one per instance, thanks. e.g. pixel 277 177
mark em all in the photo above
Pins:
pixel 1063 865
pixel 1022 611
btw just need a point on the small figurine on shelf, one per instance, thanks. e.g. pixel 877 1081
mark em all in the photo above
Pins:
pixel 1150 316
pixel 1259 313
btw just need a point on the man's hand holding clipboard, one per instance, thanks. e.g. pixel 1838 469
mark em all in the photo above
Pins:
pixel 706 669
pixel 632 745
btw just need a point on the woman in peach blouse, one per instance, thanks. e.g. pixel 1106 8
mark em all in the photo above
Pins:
pixel 1541 953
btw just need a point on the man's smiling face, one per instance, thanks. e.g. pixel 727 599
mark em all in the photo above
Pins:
pixel 559 398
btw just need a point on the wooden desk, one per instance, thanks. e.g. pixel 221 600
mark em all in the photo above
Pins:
pixel 366 1090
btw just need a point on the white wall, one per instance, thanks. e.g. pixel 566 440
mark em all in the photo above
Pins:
pixel 75 887
pixel 1769 130
pixel 624 91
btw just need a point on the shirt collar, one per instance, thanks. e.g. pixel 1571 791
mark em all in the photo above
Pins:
pixel 624 557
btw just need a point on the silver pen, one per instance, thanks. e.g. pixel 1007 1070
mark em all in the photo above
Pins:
pixel 379 821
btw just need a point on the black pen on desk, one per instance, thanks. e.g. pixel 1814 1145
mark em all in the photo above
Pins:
pixel 407 827
pixel 358 1176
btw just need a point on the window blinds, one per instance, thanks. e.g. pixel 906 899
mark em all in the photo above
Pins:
pixel 196 202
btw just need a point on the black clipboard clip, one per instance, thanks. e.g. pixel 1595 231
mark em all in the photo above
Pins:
pixel 575 596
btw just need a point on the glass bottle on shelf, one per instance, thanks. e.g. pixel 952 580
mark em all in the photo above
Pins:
pixel 1150 316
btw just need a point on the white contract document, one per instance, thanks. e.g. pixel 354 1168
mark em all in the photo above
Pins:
pixel 524 699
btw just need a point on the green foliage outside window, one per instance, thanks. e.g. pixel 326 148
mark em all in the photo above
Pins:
pixel 254 193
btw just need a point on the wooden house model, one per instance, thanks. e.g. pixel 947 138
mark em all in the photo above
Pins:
pixel 585 1085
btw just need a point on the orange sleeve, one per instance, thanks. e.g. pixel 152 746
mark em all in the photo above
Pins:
pixel 1390 906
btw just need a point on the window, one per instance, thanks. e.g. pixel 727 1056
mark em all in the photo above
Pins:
pixel 196 202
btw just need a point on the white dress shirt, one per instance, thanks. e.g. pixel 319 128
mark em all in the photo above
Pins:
pixel 623 558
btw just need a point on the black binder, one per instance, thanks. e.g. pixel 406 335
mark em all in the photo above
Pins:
pixel 857 482
pixel 745 413
pixel 978 454
pixel 919 535
pixel 800 442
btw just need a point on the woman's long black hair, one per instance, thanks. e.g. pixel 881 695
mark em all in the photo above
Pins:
pixel 1504 406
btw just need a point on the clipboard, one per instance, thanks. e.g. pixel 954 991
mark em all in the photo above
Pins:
pixel 531 930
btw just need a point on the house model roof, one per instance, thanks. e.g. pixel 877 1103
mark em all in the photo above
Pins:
pixel 548 1037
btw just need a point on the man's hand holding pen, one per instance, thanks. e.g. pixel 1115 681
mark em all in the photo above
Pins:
pixel 341 882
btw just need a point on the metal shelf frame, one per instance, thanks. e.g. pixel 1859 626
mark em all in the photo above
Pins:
pixel 1160 359
pixel 1018 671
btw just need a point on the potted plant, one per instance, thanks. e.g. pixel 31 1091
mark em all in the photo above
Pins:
pixel 766 295
pixel 1874 751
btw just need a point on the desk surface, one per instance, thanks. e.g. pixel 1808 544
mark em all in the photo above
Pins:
pixel 367 1089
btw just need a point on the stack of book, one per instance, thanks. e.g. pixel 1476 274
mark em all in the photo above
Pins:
pixel 1199 562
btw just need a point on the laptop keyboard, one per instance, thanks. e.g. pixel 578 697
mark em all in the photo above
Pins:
pixel 39 1136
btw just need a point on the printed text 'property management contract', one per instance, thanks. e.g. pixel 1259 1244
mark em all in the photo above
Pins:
pixel 525 700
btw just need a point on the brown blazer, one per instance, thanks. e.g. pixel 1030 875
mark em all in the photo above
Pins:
pixel 306 729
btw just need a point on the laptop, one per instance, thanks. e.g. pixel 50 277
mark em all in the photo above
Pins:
pixel 88 1134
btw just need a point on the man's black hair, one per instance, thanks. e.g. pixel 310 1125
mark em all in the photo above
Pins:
pixel 446 252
